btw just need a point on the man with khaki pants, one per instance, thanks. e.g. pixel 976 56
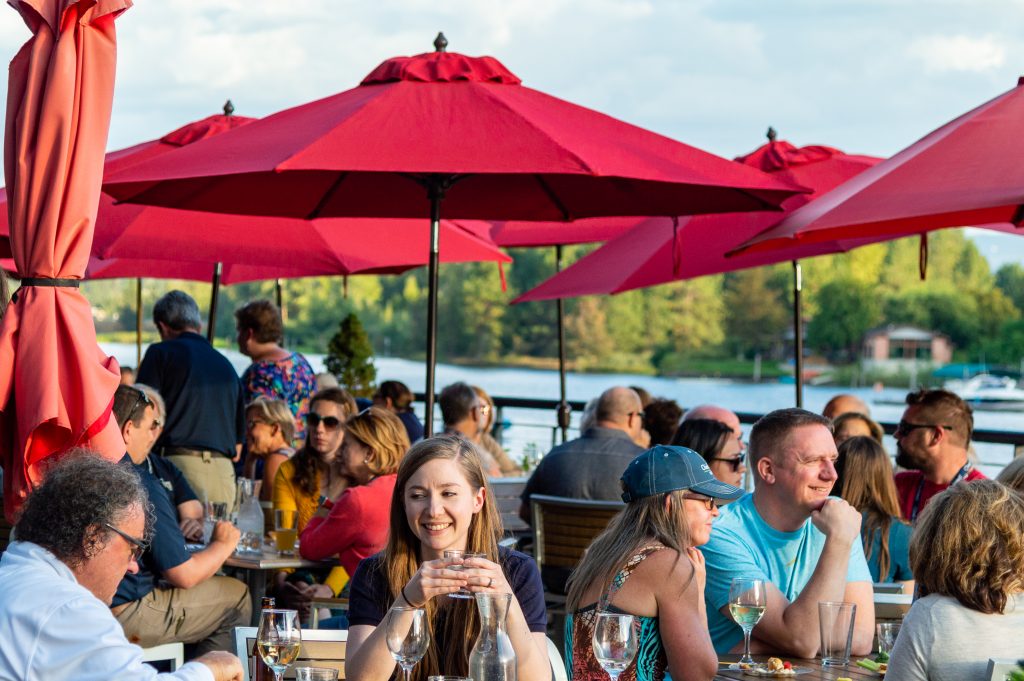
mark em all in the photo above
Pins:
pixel 205 410
pixel 197 607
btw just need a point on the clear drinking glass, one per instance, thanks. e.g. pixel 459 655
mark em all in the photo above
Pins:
pixel 887 633
pixel 464 555
pixel 316 674
pixel 407 636
pixel 279 639
pixel 285 531
pixel 614 642
pixel 747 602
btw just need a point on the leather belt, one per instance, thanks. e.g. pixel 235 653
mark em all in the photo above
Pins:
pixel 185 451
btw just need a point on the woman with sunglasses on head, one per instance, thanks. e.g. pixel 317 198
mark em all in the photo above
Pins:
pixel 646 564
pixel 442 501
pixel 313 475
pixel 269 432
pixel 716 442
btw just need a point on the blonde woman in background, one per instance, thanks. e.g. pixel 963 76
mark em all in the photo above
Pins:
pixel 1013 475
pixel 487 441
pixel 269 430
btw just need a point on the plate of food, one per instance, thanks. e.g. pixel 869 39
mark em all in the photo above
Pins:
pixel 774 667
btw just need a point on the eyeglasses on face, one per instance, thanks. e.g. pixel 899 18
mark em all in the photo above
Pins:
pixel 905 427
pixel 640 413
pixel 330 422
pixel 735 463
pixel 708 502
pixel 252 423
pixel 139 546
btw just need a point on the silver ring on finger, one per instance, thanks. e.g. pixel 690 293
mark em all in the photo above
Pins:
pixel 490 581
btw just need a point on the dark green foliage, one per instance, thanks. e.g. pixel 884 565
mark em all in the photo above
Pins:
pixel 350 357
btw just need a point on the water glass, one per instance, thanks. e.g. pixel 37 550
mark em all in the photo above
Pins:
pixel 836 622
pixel 614 642
pixel 407 636
pixel 285 531
pixel 449 678
pixel 316 674
pixel 748 600
pixel 887 633
pixel 464 555
pixel 213 511
pixel 278 639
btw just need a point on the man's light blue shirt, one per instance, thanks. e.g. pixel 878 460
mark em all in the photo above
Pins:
pixel 744 545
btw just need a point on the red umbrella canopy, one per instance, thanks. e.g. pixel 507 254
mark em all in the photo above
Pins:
pixel 56 386
pixel 659 250
pixel 968 172
pixel 496 149
pixel 254 248
pixel 522 234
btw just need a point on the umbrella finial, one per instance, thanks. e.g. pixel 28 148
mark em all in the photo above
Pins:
pixel 229 108
pixel 440 43
pixel 772 134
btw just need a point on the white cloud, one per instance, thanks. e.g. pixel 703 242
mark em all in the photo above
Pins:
pixel 942 53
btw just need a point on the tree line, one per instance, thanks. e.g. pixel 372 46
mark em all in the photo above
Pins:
pixel 664 329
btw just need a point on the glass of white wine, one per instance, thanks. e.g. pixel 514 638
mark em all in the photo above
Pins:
pixel 747 602
pixel 407 636
pixel 279 639
pixel 614 642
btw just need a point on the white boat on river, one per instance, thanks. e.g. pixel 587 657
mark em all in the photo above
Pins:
pixel 988 392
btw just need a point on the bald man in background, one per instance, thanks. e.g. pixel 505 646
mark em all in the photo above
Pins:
pixel 843 404
pixel 720 414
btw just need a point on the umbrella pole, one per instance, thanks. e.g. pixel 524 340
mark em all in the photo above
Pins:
pixel 279 294
pixel 436 193
pixel 211 326
pixel 138 322
pixel 563 405
pixel 798 336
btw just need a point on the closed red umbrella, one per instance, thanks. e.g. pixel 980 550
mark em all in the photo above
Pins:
pixel 445 127
pixel 56 386
pixel 968 172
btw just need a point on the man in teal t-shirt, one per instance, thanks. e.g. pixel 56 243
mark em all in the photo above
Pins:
pixel 792 534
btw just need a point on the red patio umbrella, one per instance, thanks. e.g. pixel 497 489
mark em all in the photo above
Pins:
pixel 659 250
pixel 444 127
pixel 56 386
pixel 968 172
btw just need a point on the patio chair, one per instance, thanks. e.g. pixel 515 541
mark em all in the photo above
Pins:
pixel 320 648
pixel 165 658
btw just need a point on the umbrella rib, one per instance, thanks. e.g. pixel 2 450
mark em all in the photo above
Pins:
pixel 315 213
pixel 554 197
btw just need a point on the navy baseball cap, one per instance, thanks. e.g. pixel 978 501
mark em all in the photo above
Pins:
pixel 665 469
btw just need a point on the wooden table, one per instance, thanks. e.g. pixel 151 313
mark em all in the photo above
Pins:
pixel 819 673
pixel 256 567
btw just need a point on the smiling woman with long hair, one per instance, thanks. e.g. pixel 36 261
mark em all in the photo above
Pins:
pixel 442 501
pixel 865 472
pixel 646 564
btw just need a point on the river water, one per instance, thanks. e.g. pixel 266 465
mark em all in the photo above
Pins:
pixel 535 427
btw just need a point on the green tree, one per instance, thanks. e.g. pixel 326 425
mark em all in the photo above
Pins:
pixel 846 310
pixel 350 357
pixel 756 315
pixel 1010 279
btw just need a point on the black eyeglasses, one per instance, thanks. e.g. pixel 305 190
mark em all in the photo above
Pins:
pixel 139 546
pixel 641 414
pixel 905 427
pixel 734 463
pixel 330 422
pixel 709 503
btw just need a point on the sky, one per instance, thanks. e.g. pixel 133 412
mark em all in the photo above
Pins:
pixel 868 77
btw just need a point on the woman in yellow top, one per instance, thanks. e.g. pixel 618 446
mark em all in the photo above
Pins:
pixel 311 475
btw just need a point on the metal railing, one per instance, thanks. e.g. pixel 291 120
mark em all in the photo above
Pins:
pixel 1003 437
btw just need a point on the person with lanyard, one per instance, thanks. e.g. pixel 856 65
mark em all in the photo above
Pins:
pixel 932 441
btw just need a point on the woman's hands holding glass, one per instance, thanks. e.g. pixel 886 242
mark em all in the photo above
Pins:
pixel 434 578
pixel 484 576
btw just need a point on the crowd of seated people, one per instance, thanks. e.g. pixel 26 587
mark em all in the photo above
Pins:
pixel 825 517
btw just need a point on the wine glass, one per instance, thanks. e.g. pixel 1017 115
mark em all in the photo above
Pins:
pixel 279 639
pixel 747 602
pixel 614 642
pixel 407 636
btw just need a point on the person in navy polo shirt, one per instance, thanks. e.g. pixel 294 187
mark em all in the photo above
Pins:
pixel 196 607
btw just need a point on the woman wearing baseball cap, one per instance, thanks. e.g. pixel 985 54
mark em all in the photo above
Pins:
pixel 646 564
